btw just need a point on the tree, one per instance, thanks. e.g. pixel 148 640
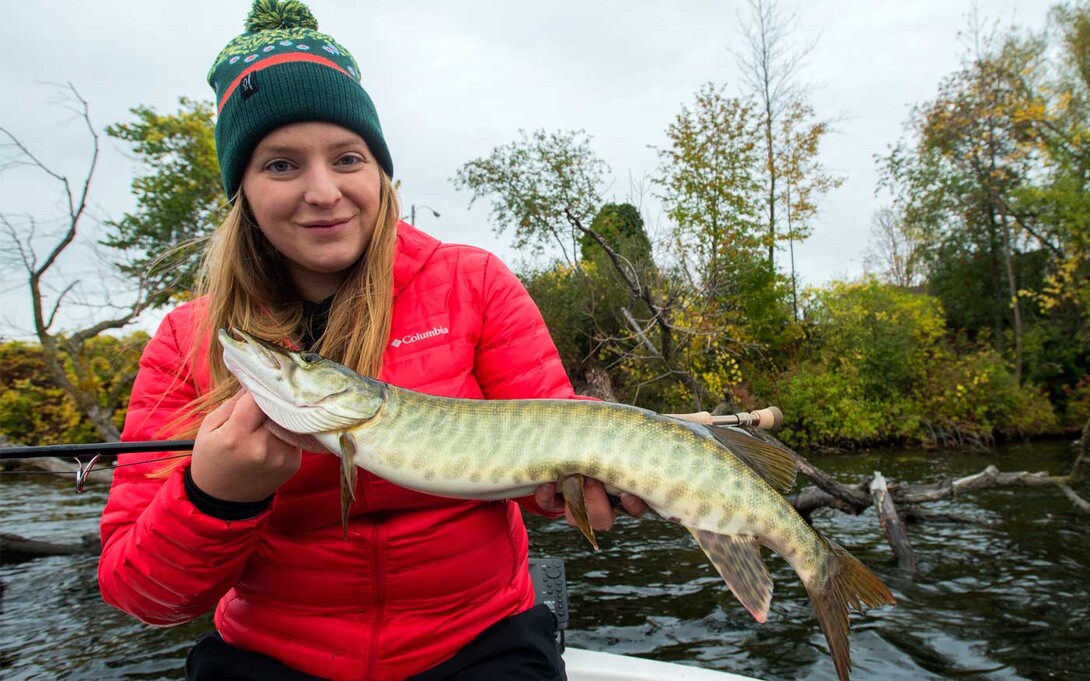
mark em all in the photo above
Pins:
pixel 33 409
pixel 771 71
pixel 546 188
pixel 179 199
pixel 894 254
pixel 709 186
pixel 792 178
pixel 65 352
pixel 959 186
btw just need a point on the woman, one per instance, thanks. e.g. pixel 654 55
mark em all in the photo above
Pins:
pixel 313 253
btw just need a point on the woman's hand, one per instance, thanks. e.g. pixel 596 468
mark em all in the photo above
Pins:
pixel 599 510
pixel 235 458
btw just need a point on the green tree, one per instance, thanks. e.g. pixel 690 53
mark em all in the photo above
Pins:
pixel 179 199
pixel 35 410
pixel 708 178
pixel 733 301
pixel 584 305
pixel 882 367
pixel 791 175
pixel 961 179
pixel 995 188
pixel 546 188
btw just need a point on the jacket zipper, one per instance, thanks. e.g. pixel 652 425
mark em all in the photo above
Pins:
pixel 378 589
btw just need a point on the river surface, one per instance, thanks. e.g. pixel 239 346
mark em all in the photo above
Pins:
pixel 1005 598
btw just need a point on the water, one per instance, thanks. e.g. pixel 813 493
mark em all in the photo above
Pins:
pixel 1005 600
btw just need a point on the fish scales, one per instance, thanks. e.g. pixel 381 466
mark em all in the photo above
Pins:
pixel 714 483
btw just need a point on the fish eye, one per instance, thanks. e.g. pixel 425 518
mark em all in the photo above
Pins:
pixel 310 357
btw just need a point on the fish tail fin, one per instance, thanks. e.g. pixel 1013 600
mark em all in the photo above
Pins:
pixel 847 583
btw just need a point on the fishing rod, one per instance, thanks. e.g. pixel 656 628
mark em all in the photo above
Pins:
pixel 96 449
pixel 769 418
pixel 99 448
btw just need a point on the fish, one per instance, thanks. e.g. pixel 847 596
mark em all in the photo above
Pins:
pixel 726 487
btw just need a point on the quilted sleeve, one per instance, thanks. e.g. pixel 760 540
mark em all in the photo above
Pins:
pixel 163 561
pixel 515 356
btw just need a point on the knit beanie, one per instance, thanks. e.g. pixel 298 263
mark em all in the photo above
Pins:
pixel 281 71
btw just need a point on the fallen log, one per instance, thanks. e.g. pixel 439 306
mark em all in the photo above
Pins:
pixel 16 549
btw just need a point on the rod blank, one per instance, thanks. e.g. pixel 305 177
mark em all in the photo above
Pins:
pixel 93 448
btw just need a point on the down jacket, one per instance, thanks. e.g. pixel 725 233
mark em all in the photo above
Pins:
pixel 419 576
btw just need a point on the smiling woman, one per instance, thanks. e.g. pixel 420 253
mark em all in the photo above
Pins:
pixel 314 190
pixel 312 254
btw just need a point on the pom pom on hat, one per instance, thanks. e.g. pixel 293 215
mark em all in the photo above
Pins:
pixel 283 71
pixel 267 15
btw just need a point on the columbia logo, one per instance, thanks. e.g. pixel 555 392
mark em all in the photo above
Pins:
pixel 413 337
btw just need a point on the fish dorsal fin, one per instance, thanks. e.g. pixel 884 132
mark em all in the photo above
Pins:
pixel 774 464
pixel 738 561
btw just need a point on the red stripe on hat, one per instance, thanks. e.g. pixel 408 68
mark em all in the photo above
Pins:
pixel 273 61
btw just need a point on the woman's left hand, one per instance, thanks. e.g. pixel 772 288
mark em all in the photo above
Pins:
pixel 599 510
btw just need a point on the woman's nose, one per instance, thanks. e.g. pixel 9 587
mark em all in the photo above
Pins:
pixel 322 188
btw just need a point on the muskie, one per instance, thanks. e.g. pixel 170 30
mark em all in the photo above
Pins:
pixel 724 486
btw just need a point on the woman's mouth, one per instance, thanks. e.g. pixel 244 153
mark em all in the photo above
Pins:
pixel 324 224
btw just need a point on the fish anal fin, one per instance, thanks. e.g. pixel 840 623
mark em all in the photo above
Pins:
pixel 571 486
pixel 738 561
pixel 348 477
pixel 774 464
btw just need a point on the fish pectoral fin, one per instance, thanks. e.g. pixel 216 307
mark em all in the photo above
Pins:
pixel 348 477
pixel 738 561
pixel 571 486
pixel 776 465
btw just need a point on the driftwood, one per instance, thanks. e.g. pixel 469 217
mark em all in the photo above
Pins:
pixel 891 522
pixel 16 549
pixel 888 497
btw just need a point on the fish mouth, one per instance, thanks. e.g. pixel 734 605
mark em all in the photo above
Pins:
pixel 272 353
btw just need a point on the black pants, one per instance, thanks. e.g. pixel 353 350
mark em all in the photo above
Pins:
pixel 518 648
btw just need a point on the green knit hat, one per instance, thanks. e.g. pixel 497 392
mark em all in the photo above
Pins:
pixel 281 71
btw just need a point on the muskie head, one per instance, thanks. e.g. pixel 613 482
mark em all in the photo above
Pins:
pixel 301 391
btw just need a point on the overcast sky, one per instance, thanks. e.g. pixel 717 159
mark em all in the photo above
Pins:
pixel 452 80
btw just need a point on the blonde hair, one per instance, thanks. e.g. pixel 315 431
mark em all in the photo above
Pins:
pixel 246 286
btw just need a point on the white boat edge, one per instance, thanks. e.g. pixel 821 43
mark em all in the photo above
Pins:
pixel 589 665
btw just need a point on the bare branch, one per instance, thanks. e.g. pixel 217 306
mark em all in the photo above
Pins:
pixel 75 210
pixel 57 304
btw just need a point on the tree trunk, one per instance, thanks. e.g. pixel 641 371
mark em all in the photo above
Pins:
pixel 1012 288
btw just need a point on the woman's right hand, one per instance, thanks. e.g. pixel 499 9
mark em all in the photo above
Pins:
pixel 235 458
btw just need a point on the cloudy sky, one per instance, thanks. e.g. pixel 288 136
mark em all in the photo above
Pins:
pixel 454 79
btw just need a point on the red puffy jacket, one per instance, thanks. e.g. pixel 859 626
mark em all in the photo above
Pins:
pixel 419 575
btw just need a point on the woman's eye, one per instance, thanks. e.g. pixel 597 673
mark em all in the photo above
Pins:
pixel 350 160
pixel 278 166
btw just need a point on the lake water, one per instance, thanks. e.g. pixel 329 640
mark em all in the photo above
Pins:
pixel 1006 598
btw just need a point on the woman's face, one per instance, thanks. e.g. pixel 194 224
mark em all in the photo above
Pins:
pixel 313 189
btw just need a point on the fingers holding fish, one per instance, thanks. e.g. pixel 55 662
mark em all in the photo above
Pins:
pixel 601 505
pixel 235 458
